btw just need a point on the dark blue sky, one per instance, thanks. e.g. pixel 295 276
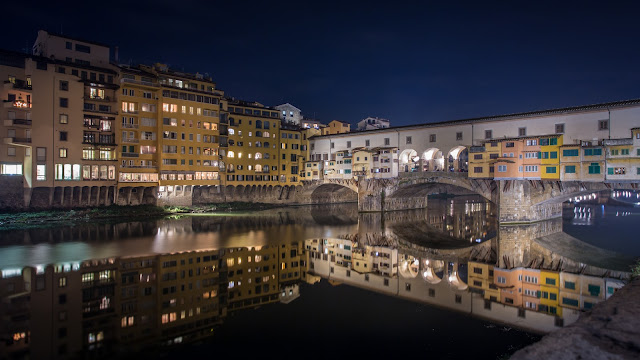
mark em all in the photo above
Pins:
pixel 409 63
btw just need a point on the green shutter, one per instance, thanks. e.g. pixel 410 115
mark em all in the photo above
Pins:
pixel 610 171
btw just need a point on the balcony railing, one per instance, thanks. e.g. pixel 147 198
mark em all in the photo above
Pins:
pixel 18 85
pixel 17 140
pixel 98 98
pixel 99 142
pixel 12 122
pixel 138 82
pixel 129 140
pixel 16 104
pixel 139 166
pixel 130 155
pixel 129 126
pixel 109 110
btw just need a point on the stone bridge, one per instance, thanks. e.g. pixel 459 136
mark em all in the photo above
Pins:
pixel 518 201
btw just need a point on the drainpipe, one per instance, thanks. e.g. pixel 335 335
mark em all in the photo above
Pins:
pixel 471 134
pixel 609 111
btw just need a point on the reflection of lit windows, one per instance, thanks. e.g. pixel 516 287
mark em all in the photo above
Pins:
pixel 105 303
pixel 95 337
pixel 88 277
pixel 126 321
pixel 231 261
pixel 231 284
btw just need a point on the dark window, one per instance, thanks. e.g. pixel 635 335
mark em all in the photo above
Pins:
pixel 559 128
pixel 64 102
pixel 64 85
pixel 63 136
pixel 83 48
pixel 41 65
pixel 458 136
pixel 603 124
pixel 488 134
pixel 68 45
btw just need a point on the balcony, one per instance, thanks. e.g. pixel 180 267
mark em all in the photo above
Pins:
pixel 130 140
pixel 129 126
pixel 139 166
pixel 97 98
pixel 17 85
pixel 138 82
pixel 100 109
pixel 99 142
pixel 16 104
pixel 17 122
pixel 17 141
pixel 129 155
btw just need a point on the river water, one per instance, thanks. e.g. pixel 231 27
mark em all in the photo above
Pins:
pixel 310 281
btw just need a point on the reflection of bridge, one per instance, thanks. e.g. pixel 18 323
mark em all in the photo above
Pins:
pixel 518 200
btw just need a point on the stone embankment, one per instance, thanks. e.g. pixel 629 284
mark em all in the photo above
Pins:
pixel 611 330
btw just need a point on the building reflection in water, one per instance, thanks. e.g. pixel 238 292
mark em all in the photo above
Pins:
pixel 102 306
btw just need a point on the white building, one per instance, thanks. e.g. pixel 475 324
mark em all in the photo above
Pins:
pixel 372 123
pixel 290 113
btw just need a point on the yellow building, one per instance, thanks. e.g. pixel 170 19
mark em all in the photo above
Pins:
pixel 254 146
pixel 482 160
pixel 549 159
pixel 190 138
pixel 139 129
pixel 252 275
pixel 550 292
pixel 292 155
pixel 481 279
pixel 336 127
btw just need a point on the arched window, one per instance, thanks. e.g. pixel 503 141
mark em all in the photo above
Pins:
pixel 258 156
pixel 258 168
pixel 258 124
pixel 266 144
pixel 232 132
pixel 231 154
pixel 266 134
pixel 259 133
pixel 266 125
pixel 258 144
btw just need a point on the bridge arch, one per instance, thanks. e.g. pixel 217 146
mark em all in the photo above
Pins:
pixel 458 159
pixel 430 270
pixel 409 267
pixel 408 160
pixel 432 160
pixel 331 193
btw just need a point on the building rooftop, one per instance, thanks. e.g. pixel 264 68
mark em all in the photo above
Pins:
pixel 564 110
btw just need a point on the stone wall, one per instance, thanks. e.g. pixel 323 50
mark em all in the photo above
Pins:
pixel 611 330
pixel 12 195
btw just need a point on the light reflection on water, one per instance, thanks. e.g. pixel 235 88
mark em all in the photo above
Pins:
pixel 175 281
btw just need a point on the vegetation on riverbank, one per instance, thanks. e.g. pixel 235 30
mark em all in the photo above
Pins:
pixel 36 219
pixel 635 270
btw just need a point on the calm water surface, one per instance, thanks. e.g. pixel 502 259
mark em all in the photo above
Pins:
pixel 309 281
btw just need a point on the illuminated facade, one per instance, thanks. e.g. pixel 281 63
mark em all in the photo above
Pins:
pixel 58 120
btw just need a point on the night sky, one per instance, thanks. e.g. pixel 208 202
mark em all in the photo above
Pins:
pixel 410 64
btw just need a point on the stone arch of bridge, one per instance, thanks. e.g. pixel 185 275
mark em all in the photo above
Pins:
pixel 332 193
pixel 423 187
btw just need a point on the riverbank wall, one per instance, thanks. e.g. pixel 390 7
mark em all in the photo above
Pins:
pixel 15 197
pixel 611 330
